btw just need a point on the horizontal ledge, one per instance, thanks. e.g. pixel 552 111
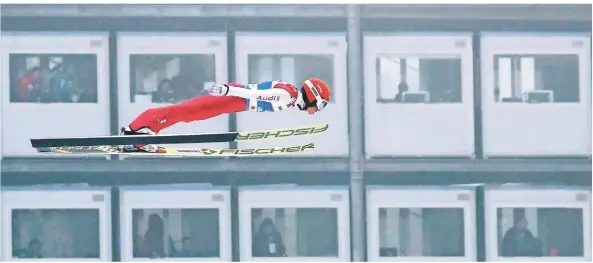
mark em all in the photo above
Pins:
pixel 319 164
pixel 498 12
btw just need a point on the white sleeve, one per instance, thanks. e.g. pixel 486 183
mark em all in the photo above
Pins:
pixel 245 93
pixel 271 95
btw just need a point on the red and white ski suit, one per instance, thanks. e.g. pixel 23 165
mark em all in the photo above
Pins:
pixel 267 96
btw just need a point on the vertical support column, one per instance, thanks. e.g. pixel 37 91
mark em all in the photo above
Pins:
pixel 290 230
pixel 390 232
pixel 113 89
pixel 113 85
pixel 415 239
pixel 235 215
pixel 231 73
pixel 355 127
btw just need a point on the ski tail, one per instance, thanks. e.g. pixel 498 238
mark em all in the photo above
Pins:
pixel 196 152
pixel 180 138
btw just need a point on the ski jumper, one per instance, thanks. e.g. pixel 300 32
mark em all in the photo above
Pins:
pixel 269 96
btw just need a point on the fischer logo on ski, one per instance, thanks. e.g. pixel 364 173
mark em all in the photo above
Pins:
pixel 189 152
pixel 257 151
pixel 246 136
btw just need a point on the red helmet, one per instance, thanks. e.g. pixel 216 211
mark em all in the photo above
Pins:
pixel 315 93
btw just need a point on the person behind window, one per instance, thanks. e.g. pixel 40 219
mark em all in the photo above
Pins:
pixel 57 233
pixel 388 252
pixel 164 93
pixel 518 241
pixel 497 94
pixel 402 87
pixel 64 84
pixel 187 249
pixel 184 87
pixel 34 250
pixel 267 242
pixel 87 91
pixel 29 89
pixel 153 245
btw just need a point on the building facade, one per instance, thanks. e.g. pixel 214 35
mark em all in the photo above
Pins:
pixel 436 109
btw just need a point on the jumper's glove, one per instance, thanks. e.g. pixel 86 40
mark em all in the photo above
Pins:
pixel 219 90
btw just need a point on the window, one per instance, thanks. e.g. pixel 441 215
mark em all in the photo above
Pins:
pixel 537 232
pixel 53 78
pixel 55 233
pixel 170 78
pixel 294 232
pixel 292 68
pixel 418 79
pixel 536 78
pixel 421 232
pixel 176 233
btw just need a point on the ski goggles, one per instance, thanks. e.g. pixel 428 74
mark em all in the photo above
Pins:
pixel 320 102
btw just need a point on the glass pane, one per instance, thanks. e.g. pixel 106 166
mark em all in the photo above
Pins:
pixel 294 232
pixel 408 79
pixel 176 233
pixel 292 68
pixel 55 233
pixel 536 78
pixel 537 232
pixel 53 78
pixel 421 232
pixel 158 78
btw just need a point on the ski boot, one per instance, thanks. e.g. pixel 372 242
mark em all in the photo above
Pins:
pixel 148 148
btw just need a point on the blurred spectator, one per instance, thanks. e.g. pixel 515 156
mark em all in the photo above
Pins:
pixel 171 233
pixel 164 93
pixel 518 241
pixel 33 250
pixel 66 233
pixel 64 84
pixel 388 252
pixel 267 242
pixel 184 87
pixel 57 233
pixel 87 92
pixel 402 87
pixel 153 245
pixel 187 249
pixel 30 85
pixel 51 78
pixel 169 78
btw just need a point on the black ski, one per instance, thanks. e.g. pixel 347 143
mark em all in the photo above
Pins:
pixel 179 138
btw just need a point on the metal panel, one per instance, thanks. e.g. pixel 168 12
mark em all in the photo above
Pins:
pixel 394 200
pixel 270 200
pixel 511 127
pixel 72 85
pixel 434 63
pixel 542 208
pixel 65 198
pixel 181 206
